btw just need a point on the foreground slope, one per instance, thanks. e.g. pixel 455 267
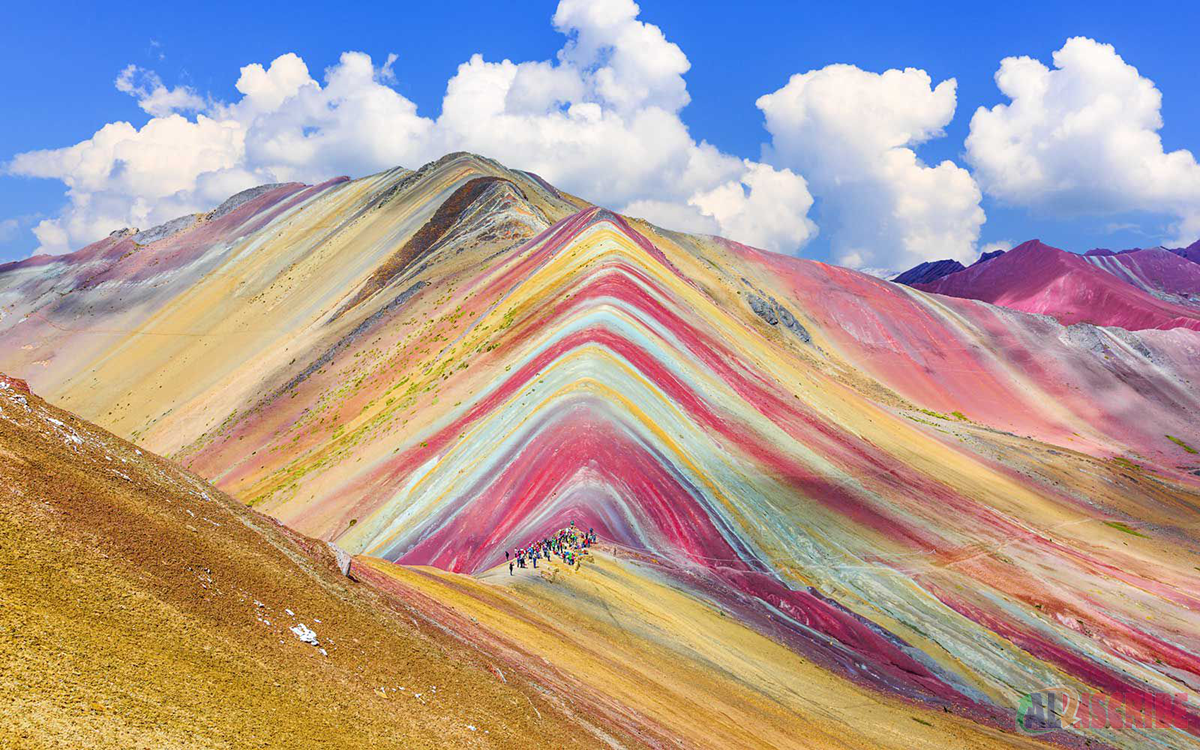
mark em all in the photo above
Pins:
pixel 141 607
pixel 620 635
pixel 936 500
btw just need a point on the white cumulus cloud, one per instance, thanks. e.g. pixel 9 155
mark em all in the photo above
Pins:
pixel 851 133
pixel 1082 138
pixel 765 207
pixel 153 97
pixel 126 176
pixel 600 120
pixel 761 207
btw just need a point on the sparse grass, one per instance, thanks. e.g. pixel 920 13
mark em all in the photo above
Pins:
pixel 1182 444
pixel 934 414
pixel 1125 463
pixel 952 416
pixel 1122 527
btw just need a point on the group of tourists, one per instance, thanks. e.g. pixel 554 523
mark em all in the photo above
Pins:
pixel 570 544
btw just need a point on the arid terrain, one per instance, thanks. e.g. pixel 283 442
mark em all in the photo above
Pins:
pixel 830 510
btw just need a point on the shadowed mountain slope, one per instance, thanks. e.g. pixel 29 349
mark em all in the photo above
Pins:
pixel 924 273
pixel 1191 252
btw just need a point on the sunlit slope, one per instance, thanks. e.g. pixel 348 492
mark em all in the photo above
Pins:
pixel 141 607
pixel 162 344
pixel 618 393
pixel 625 641
pixel 935 499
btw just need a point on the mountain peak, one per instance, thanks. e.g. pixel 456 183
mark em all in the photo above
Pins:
pixel 928 271
pixel 1034 246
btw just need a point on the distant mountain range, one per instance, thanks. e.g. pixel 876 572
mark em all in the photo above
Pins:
pixel 1133 289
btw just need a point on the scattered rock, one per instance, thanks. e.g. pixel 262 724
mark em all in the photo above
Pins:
pixel 306 634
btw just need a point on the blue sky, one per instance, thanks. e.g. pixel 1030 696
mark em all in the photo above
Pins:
pixel 61 63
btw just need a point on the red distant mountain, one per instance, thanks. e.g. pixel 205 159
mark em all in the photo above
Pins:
pixel 1034 277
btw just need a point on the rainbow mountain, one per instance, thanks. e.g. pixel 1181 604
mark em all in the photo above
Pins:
pixel 833 510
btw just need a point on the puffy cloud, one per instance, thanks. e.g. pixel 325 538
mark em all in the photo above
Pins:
pixel 52 238
pixel 265 89
pixel 765 207
pixel 285 127
pixel 600 120
pixel 153 97
pixel 124 176
pixel 625 62
pixel 297 129
pixel 850 132
pixel 1082 138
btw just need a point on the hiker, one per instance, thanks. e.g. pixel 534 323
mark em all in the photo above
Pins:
pixel 571 543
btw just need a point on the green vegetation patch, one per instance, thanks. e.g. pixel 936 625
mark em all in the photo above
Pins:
pixel 1182 444
pixel 952 416
pixel 1122 527
pixel 1125 463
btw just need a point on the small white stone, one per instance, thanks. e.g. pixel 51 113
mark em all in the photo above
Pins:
pixel 305 633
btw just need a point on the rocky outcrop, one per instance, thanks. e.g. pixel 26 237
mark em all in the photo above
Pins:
pixel 13 384
pixel 166 229
pixel 237 200
pixel 774 313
